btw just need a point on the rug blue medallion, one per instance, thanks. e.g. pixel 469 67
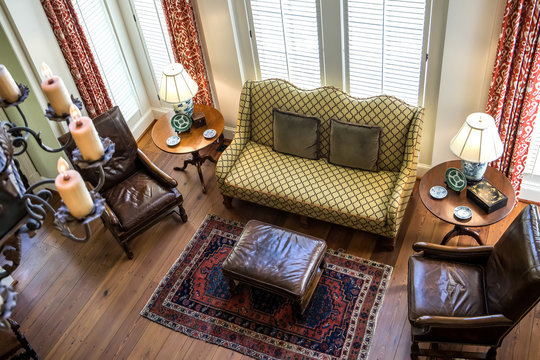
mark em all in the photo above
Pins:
pixel 339 322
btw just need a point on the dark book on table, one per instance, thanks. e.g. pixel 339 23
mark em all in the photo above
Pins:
pixel 487 196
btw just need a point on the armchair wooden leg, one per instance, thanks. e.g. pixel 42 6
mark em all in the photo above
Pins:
pixel 127 250
pixel 304 221
pixel 182 213
pixel 227 201
pixel 415 351
pixel 29 351
pixel 388 244
pixel 492 353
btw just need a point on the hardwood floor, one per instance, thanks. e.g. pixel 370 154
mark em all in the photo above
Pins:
pixel 82 301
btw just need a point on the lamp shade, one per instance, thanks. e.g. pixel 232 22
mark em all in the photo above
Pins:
pixel 478 139
pixel 176 84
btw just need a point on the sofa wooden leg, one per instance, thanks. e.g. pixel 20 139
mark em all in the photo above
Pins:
pixel 227 201
pixel 415 351
pixel 388 244
pixel 304 221
pixel 492 353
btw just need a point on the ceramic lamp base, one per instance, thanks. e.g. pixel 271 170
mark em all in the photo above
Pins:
pixel 185 108
pixel 474 171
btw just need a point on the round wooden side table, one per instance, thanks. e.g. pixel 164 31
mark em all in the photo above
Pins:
pixel 191 142
pixel 444 208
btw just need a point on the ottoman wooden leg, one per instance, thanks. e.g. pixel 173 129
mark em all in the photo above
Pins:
pixel 232 286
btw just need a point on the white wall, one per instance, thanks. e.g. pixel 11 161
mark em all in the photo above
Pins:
pixel 471 40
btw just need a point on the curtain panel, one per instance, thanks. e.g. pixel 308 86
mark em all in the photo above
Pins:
pixel 515 89
pixel 78 55
pixel 186 45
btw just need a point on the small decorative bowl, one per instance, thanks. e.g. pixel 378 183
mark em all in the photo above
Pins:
pixel 210 133
pixel 173 141
pixel 463 213
pixel 438 192
pixel 455 179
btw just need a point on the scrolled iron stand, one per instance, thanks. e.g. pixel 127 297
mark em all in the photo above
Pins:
pixel 37 203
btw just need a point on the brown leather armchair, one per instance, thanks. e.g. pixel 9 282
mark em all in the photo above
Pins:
pixel 474 295
pixel 137 192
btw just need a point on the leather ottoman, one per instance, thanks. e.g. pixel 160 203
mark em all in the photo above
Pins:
pixel 277 260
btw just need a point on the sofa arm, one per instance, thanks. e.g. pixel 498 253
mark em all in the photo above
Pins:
pixel 407 174
pixel 241 137
pixel 157 172
pixel 469 254
pixel 462 322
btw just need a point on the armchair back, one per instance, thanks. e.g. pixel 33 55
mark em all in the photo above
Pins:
pixel 123 164
pixel 395 117
pixel 512 271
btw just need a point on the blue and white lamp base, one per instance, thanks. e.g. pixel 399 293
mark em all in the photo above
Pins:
pixel 474 171
pixel 185 108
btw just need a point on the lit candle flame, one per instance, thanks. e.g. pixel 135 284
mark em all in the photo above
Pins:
pixel 74 111
pixel 62 165
pixel 46 71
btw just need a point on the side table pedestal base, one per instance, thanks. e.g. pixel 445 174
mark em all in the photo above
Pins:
pixel 196 160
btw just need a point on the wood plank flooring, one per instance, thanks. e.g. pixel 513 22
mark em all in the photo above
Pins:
pixel 82 301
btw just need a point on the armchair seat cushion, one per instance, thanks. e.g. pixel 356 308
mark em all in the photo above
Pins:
pixel 331 188
pixel 138 197
pixel 441 288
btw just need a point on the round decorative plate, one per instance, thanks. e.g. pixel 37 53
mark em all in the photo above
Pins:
pixel 173 141
pixel 438 192
pixel 210 133
pixel 181 123
pixel 463 213
pixel 455 179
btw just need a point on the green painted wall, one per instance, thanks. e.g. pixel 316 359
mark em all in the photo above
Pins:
pixel 44 162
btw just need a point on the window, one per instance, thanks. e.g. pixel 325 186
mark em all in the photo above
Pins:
pixel 383 44
pixel 153 29
pixel 108 54
pixel 287 40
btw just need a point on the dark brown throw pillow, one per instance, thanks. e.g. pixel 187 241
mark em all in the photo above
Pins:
pixel 354 145
pixel 296 134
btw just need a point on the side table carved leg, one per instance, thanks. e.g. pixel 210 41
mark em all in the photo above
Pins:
pixel 196 160
pixel 461 230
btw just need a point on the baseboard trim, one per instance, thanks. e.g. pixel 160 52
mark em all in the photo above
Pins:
pixel 228 132
pixel 140 126
pixel 422 170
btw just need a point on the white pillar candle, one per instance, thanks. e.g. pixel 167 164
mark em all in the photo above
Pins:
pixel 9 91
pixel 55 91
pixel 73 191
pixel 85 135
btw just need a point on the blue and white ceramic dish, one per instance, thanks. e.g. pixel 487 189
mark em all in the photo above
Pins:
pixel 463 213
pixel 438 192
pixel 173 141
pixel 210 133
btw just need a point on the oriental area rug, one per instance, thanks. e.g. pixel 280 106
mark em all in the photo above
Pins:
pixel 339 322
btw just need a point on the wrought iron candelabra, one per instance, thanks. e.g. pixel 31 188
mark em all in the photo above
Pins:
pixel 37 201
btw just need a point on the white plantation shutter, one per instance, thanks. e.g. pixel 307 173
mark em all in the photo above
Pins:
pixel 108 55
pixel 287 41
pixel 385 40
pixel 153 27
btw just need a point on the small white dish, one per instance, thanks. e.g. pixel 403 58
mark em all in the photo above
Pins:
pixel 173 141
pixel 210 133
pixel 463 213
pixel 438 192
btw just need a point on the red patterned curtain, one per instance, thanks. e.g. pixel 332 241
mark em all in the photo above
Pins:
pixel 78 56
pixel 186 45
pixel 515 89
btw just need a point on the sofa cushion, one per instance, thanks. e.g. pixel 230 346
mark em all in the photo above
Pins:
pixel 391 114
pixel 296 134
pixel 354 145
pixel 316 182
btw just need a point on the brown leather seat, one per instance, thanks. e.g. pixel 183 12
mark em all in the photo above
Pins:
pixel 137 192
pixel 277 260
pixel 474 295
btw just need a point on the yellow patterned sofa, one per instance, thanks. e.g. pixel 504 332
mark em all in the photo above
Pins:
pixel 371 201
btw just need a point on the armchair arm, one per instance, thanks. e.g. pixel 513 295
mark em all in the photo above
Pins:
pixel 407 174
pixel 473 254
pixel 463 322
pixel 150 166
pixel 241 137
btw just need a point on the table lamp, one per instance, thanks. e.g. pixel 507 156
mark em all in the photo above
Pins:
pixel 178 88
pixel 476 144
